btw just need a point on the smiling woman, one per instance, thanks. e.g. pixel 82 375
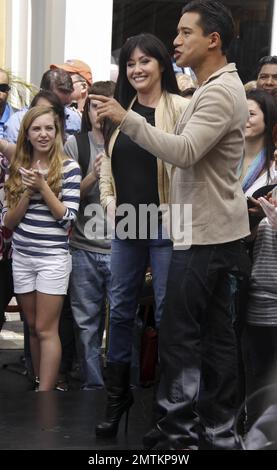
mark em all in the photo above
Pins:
pixel 258 168
pixel 130 175
pixel 42 199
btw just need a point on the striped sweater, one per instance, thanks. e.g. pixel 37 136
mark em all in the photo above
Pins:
pixel 39 233
pixel 262 304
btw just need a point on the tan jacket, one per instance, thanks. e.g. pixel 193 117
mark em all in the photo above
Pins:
pixel 205 153
pixel 167 113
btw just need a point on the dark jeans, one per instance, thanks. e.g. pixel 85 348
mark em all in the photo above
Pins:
pixel 198 353
pixel 6 287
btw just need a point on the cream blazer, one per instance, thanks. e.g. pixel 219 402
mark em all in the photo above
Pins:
pixel 167 113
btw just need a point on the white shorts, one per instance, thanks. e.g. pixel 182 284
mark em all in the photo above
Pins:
pixel 46 274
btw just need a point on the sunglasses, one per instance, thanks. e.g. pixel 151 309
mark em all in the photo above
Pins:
pixel 4 87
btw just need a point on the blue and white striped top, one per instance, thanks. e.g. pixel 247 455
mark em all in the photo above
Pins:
pixel 39 233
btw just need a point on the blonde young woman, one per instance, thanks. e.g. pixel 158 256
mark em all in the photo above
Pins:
pixel 41 202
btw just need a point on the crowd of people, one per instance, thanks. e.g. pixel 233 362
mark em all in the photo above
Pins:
pixel 138 175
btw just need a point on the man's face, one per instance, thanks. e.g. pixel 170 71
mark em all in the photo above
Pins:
pixel 267 78
pixel 80 88
pixel 190 45
pixel 4 80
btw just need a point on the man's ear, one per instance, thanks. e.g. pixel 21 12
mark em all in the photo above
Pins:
pixel 84 88
pixel 215 40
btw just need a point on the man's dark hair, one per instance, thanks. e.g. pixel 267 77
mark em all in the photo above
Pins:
pixel 214 17
pixel 57 78
pixel 268 59
pixel 105 88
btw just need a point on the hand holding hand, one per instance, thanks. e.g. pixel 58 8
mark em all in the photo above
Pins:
pixel 270 211
pixel 256 209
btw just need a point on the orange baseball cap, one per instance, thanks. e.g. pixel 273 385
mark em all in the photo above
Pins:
pixel 76 66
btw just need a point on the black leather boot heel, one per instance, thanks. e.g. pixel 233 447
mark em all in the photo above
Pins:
pixel 120 399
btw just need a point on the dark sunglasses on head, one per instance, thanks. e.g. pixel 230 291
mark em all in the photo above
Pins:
pixel 4 87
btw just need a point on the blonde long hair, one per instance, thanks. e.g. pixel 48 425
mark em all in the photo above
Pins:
pixel 24 153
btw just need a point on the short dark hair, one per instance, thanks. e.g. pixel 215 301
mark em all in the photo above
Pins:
pixel 105 88
pixel 214 17
pixel 267 59
pixel 57 78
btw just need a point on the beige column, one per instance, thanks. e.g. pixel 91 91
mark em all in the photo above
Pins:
pixel 88 34
pixel 36 33
pixel 18 37
pixel 3 33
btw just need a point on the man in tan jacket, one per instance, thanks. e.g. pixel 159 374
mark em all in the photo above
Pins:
pixel 197 391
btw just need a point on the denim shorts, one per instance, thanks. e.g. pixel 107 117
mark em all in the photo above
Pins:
pixel 46 274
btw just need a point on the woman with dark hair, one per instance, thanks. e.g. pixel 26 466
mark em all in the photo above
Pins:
pixel 132 178
pixel 258 168
pixel 260 339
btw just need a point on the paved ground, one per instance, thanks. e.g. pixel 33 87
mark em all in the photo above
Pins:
pixel 57 420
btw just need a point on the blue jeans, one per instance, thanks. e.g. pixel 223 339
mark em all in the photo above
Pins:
pixel 89 287
pixel 198 352
pixel 129 261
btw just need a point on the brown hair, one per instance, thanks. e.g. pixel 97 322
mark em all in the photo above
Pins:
pixel 274 134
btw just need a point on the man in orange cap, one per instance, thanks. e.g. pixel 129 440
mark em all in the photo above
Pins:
pixel 81 77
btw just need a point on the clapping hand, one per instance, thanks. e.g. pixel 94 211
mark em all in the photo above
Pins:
pixel 33 179
pixel 270 210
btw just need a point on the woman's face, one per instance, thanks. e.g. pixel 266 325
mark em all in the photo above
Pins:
pixel 143 72
pixel 42 133
pixel 255 126
pixel 96 125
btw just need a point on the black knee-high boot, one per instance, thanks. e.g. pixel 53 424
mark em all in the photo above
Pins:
pixel 120 399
